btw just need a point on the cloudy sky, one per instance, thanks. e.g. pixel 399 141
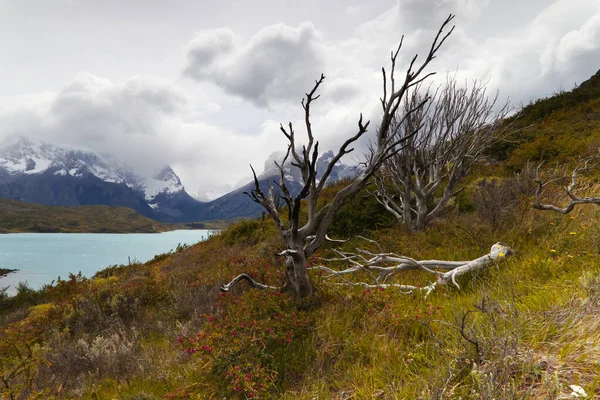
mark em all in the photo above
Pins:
pixel 203 85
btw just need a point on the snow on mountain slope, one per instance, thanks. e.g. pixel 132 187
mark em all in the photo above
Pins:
pixel 293 174
pixel 38 172
pixel 166 181
pixel 29 156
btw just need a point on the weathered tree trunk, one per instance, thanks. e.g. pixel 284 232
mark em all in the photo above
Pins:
pixel 297 280
pixel 301 241
pixel 291 284
pixel 421 206
pixel 406 211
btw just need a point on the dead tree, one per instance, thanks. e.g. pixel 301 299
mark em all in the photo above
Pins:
pixel 584 165
pixel 381 267
pixel 302 239
pixel 453 131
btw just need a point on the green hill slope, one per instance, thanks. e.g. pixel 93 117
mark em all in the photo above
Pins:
pixel 16 216
pixel 526 327
pixel 557 129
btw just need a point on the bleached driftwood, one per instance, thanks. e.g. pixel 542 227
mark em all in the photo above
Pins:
pixel 378 266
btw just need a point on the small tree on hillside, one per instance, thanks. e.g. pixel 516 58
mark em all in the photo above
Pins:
pixel 453 130
pixel 302 239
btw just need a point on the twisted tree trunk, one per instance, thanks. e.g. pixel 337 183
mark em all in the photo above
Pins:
pixel 296 273
pixel 302 240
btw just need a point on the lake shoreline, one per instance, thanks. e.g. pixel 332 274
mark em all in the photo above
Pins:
pixel 98 231
pixel 6 271
pixel 41 257
pixel 177 228
pixel 195 226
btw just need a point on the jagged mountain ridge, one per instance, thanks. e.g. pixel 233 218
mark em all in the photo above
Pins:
pixel 26 156
pixel 236 204
pixel 33 171
pixel 339 171
pixel 37 172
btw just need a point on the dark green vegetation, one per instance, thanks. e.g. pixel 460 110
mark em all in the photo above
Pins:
pixel 557 129
pixel 210 224
pixel 5 271
pixel 16 216
pixel 525 328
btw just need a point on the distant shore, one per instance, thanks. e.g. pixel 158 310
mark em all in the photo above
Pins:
pixel 5 271
pixel 160 228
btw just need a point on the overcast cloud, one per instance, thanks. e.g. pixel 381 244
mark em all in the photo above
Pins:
pixel 203 86
pixel 274 65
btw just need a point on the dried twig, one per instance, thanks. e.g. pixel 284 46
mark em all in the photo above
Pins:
pixel 584 165
pixel 379 268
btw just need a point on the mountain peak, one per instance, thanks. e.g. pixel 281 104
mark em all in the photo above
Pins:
pixel 25 156
pixel 165 181
pixel 167 173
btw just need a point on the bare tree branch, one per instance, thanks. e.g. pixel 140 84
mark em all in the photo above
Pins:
pixel 584 165
pixel 302 241
pixel 442 133
pixel 243 277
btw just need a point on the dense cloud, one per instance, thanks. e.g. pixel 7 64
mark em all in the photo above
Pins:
pixel 125 119
pixel 275 64
pixel 225 89
pixel 205 48
pixel 553 52
pixel 144 121
pixel 557 47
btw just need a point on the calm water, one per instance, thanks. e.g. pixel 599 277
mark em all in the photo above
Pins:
pixel 41 257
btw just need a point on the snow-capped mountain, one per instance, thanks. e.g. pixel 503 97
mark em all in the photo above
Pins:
pixel 33 171
pixel 292 174
pixel 27 156
pixel 340 171
pixel 165 182
pixel 61 170
pixel 236 204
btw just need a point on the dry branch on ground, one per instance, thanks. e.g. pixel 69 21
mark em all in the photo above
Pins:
pixel 382 266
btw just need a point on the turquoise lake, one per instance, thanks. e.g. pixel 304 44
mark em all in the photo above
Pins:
pixel 42 257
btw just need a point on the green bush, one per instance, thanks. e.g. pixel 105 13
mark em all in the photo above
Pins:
pixel 254 344
pixel 359 214
pixel 247 232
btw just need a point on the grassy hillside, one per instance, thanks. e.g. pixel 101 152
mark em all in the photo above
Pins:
pixel 557 129
pixel 16 216
pixel 524 328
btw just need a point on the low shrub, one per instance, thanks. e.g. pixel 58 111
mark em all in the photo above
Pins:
pixel 496 199
pixel 250 347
